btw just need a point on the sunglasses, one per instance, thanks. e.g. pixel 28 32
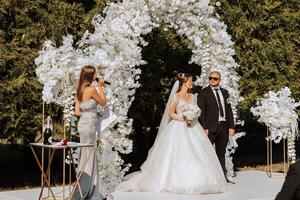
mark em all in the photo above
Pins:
pixel 213 78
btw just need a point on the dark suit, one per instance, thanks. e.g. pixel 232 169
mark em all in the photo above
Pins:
pixel 291 186
pixel 209 118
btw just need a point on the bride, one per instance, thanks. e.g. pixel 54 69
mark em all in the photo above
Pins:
pixel 182 159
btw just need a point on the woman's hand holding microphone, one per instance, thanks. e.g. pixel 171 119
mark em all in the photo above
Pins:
pixel 101 82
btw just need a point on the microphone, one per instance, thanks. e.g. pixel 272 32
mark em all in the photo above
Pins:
pixel 105 82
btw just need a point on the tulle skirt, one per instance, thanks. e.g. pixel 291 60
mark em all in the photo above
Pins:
pixel 182 160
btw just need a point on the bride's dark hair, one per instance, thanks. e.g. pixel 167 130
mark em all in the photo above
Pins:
pixel 182 78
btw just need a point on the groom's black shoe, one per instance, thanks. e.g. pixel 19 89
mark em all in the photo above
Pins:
pixel 229 181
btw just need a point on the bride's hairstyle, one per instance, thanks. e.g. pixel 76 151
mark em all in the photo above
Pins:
pixel 182 78
pixel 85 80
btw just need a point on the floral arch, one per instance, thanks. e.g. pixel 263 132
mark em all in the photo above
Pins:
pixel 115 47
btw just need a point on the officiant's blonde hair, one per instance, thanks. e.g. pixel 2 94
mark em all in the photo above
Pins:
pixel 86 78
pixel 182 78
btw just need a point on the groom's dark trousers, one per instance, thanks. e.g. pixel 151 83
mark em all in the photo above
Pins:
pixel 220 139
pixel 209 118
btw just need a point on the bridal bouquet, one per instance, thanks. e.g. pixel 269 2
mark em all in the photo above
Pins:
pixel 190 113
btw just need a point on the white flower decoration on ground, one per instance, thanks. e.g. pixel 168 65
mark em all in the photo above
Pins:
pixel 115 48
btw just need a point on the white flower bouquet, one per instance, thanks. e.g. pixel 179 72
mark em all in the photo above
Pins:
pixel 190 113
pixel 278 111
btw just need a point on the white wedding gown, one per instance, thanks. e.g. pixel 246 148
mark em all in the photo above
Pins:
pixel 182 160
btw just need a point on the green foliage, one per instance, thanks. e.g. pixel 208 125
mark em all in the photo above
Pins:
pixel 266 36
pixel 25 25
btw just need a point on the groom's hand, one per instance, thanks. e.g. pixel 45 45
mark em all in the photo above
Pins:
pixel 206 131
pixel 231 132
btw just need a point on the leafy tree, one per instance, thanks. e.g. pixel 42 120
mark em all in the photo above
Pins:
pixel 25 25
pixel 266 36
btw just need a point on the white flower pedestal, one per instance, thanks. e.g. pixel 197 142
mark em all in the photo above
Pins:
pixel 277 110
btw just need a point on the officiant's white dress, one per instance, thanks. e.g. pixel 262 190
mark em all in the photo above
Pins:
pixel 182 160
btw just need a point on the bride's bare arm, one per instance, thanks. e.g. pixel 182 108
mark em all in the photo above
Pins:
pixel 172 112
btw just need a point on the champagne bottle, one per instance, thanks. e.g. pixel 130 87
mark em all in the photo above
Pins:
pixel 48 132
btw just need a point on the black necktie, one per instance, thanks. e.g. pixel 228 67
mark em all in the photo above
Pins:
pixel 219 103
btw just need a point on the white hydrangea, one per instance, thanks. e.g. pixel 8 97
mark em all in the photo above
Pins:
pixel 277 110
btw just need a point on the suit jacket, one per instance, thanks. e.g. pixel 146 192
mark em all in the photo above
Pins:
pixel 291 186
pixel 210 111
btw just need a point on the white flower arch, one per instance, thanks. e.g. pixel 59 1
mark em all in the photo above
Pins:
pixel 116 45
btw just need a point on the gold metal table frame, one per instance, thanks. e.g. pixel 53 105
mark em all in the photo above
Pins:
pixel 46 174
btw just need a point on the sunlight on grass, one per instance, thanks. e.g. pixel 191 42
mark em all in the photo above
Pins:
pixel 277 167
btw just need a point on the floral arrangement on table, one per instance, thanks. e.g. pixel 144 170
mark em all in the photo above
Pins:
pixel 277 110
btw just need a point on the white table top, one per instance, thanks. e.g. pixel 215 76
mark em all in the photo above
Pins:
pixel 58 145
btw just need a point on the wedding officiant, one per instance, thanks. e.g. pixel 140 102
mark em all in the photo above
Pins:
pixel 87 99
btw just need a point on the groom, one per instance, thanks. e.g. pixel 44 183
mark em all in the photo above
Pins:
pixel 216 115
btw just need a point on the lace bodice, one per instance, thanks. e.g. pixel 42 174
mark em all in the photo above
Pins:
pixel 181 103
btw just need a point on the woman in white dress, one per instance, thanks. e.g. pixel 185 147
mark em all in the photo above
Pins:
pixel 182 159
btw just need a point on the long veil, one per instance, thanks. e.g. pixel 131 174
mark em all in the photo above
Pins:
pixel 163 123
pixel 165 118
